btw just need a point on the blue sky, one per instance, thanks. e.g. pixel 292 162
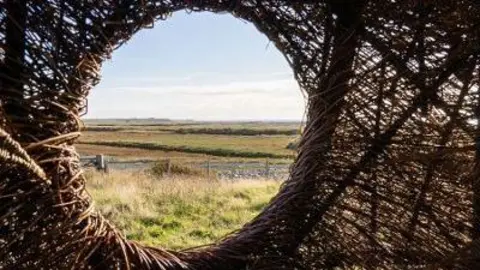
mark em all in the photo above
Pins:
pixel 200 66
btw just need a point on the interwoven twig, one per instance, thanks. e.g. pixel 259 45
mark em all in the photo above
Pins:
pixel 387 170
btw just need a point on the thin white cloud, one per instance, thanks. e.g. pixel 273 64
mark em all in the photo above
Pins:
pixel 205 77
pixel 274 86
pixel 268 99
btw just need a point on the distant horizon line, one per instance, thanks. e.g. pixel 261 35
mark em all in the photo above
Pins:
pixel 192 120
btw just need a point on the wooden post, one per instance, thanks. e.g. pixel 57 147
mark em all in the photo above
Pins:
pixel 100 162
pixel 106 169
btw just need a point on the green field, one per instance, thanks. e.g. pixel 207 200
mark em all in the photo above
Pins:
pixel 177 213
pixel 156 139
pixel 170 124
pixel 184 208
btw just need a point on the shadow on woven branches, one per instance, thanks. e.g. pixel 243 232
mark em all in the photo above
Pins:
pixel 387 167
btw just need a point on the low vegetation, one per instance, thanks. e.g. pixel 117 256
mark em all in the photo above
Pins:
pixel 293 144
pixel 177 212
pixel 174 124
pixel 116 153
pixel 167 168
pixel 196 130
pixel 192 141
pixel 267 144
pixel 104 128
pixel 241 131
pixel 220 152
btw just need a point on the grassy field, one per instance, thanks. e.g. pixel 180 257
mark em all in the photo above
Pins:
pixel 221 152
pixel 177 213
pixel 245 146
pixel 186 210
pixel 154 139
pixel 162 124
pixel 200 130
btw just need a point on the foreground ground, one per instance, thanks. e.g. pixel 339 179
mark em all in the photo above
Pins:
pixel 177 212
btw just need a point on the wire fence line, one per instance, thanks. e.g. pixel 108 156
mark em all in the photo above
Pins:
pixel 223 170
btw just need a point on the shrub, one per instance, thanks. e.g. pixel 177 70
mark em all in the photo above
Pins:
pixel 161 169
pixel 293 145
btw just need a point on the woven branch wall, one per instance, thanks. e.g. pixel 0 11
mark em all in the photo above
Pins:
pixel 387 173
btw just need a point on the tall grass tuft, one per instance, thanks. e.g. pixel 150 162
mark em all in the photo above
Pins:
pixel 168 168
pixel 177 212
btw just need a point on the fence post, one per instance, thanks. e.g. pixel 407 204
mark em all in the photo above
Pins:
pixel 267 168
pixel 100 162
pixel 106 169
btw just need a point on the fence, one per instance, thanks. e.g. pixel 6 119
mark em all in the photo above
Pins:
pixel 222 169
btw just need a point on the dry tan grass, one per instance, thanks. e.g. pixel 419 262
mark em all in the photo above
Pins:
pixel 177 212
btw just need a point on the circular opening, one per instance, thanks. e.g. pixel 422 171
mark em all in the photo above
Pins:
pixel 183 109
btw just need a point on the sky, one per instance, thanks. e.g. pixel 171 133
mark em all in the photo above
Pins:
pixel 199 66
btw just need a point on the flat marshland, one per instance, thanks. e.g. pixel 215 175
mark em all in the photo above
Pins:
pixel 180 211
pixel 178 205
pixel 189 141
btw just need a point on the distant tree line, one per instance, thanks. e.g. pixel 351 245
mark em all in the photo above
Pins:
pixel 238 131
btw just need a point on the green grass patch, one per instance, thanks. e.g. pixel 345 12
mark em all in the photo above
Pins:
pixel 210 144
pixel 220 152
pixel 177 213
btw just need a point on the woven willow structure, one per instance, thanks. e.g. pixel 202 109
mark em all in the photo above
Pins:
pixel 387 173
